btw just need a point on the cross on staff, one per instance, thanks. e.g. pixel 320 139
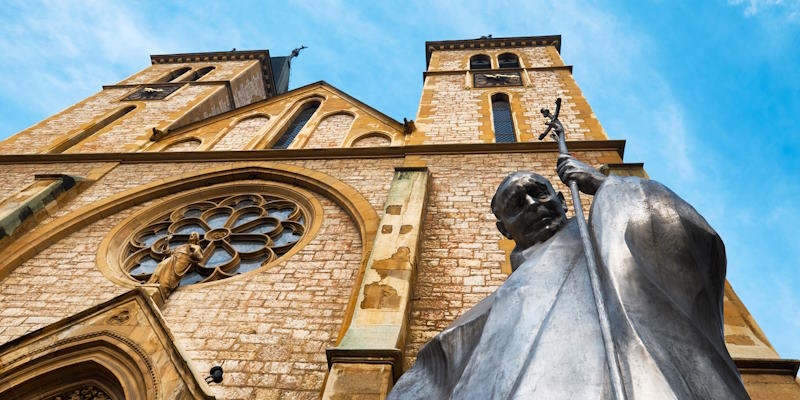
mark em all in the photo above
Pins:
pixel 557 129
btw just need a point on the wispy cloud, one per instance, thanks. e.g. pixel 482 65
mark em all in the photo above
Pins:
pixel 71 49
pixel 789 9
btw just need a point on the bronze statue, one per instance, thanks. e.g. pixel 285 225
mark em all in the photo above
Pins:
pixel 660 276
pixel 171 269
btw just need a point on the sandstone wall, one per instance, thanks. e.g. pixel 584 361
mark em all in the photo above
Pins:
pixel 242 133
pixel 222 71
pixel 331 131
pixel 452 110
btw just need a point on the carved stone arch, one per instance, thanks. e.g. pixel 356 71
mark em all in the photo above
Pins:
pixel 104 359
pixel 190 143
pixel 288 117
pixel 369 140
pixel 198 73
pixel 256 136
pixel 173 74
pixel 515 53
pixel 324 136
pixel 478 61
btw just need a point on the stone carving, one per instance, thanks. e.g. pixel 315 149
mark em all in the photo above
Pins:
pixel 120 318
pixel 171 269
pixel 661 273
pixel 88 392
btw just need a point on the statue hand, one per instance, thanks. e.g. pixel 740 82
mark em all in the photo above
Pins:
pixel 587 178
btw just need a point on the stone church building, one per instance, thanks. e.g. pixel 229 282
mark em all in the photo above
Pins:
pixel 333 240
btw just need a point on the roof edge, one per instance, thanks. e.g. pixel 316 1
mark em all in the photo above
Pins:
pixel 245 108
pixel 519 41
pixel 261 55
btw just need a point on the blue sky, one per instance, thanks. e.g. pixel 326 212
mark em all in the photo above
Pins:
pixel 707 93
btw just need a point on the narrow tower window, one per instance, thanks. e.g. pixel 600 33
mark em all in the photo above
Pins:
pixel 480 61
pixel 173 75
pixel 294 128
pixel 199 74
pixel 508 60
pixel 503 125
pixel 94 128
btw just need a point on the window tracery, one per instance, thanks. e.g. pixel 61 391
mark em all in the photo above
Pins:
pixel 239 233
pixel 88 392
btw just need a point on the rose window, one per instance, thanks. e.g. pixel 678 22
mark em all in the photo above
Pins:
pixel 238 233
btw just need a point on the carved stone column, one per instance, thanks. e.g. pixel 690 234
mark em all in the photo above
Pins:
pixel 369 358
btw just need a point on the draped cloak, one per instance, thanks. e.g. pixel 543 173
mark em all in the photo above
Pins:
pixel 662 271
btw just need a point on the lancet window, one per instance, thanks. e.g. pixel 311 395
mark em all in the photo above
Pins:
pixel 199 73
pixel 173 75
pixel 94 128
pixel 296 126
pixel 503 123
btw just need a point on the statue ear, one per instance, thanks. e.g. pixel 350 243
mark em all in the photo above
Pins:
pixel 502 229
pixel 563 201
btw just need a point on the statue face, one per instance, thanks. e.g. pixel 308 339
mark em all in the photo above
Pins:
pixel 194 238
pixel 528 209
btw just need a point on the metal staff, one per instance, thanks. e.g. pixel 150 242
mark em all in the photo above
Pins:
pixel 618 388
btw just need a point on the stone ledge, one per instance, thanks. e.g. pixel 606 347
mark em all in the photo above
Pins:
pixel 393 357
pixel 307 154
pixel 463 71
pixel 767 366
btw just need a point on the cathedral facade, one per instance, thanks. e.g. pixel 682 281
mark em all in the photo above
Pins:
pixel 198 230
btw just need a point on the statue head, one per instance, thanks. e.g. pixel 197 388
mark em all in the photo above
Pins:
pixel 528 209
pixel 194 238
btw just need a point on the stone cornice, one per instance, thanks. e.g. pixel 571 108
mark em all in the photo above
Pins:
pixel 260 55
pixel 525 41
pixel 332 153
pixel 463 71
pixel 767 366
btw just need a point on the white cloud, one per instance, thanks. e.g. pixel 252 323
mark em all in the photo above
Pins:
pixel 72 49
pixel 789 9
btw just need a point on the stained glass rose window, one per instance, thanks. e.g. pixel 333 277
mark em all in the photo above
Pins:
pixel 238 233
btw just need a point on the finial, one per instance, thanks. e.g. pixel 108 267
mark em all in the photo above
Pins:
pixel 296 52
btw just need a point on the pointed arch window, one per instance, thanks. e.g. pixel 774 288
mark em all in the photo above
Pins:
pixel 480 61
pixel 508 60
pixel 296 126
pixel 175 74
pixel 199 74
pixel 91 130
pixel 503 124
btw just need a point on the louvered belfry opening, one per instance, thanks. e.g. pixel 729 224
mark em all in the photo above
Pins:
pixel 480 61
pixel 508 60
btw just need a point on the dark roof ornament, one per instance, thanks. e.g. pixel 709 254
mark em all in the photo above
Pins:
pixel 295 53
pixel 489 36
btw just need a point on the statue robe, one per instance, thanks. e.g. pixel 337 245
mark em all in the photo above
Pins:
pixel 662 271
